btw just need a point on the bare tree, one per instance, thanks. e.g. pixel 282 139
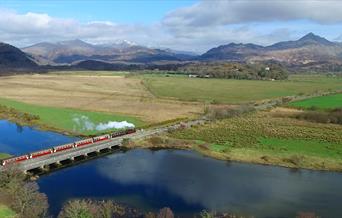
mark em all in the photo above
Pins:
pixel 165 213
pixel 76 209
pixel 21 196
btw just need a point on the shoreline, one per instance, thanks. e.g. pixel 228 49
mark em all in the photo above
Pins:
pixel 257 157
pixel 273 160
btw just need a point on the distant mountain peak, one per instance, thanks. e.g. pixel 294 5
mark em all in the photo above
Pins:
pixel 74 42
pixel 311 37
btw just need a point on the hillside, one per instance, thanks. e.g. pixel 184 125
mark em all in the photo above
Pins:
pixel 69 52
pixel 12 58
pixel 310 50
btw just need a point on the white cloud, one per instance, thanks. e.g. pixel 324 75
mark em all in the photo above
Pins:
pixel 224 12
pixel 24 29
pixel 204 25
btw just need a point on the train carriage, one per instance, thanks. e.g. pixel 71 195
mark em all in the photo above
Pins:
pixel 14 160
pixel 41 153
pixel 84 142
pixel 101 138
pixel 123 132
pixel 63 147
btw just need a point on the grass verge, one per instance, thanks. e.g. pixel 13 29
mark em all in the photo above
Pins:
pixel 71 121
pixel 5 212
pixel 3 156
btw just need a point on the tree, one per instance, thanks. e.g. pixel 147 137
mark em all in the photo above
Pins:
pixel 165 213
pixel 76 209
pixel 21 196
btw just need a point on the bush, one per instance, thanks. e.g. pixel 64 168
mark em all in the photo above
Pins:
pixel 227 112
pixel 155 140
pixel 332 116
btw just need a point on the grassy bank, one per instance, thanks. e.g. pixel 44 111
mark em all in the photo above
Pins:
pixel 267 139
pixel 322 102
pixel 237 91
pixel 5 212
pixel 72 121
pixel 3 156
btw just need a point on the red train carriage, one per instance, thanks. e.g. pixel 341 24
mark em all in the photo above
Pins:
pixel 83 142
pixel 15 160
pixel 41 153
pixel 101 138
pixel 63 147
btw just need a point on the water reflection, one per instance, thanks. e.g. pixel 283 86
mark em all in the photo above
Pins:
pixel 188 182
pixel 16 139
pixel 259 190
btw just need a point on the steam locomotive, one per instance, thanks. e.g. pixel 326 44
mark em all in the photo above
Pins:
pixel 60 148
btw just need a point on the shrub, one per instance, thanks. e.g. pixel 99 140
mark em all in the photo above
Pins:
pixel 332 116
pixel 165 213
pixel 155 140
pixel 227 112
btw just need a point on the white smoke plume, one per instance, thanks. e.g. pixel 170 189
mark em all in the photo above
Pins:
pixel 114 124
pixel 84 123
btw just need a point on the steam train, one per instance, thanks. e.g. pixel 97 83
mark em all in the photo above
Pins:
pixel 60 148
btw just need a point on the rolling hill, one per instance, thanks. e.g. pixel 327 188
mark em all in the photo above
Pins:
pixel 13 59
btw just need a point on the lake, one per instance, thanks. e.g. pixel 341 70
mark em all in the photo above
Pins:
pixel 185 181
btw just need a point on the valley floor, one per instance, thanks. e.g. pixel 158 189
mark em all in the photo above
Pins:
pixel 272 137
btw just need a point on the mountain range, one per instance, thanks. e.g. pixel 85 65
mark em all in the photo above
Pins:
pixel 74 51
pixel 309 49
pixel 309 52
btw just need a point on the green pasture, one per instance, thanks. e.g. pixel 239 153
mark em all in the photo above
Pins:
pixel 70 120
pixel 237 91
pixel 322 102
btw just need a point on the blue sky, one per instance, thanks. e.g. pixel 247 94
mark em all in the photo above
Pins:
pixel 126 11
pixel 194 25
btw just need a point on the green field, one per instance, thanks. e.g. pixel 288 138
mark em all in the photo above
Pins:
pixel 70 120
pixel 322 102
pixel 5 212
pixel 237 91
pixel 2 156
pixel 302 147
pixel 280 140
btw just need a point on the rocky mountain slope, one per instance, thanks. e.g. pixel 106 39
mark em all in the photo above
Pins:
pixel 308 50
pixel 70 52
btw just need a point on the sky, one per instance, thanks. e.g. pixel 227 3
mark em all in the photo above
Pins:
pixel 187 25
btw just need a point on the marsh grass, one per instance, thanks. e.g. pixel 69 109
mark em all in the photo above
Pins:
pixel 263 138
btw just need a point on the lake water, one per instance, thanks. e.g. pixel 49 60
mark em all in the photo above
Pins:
pixel 182 180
